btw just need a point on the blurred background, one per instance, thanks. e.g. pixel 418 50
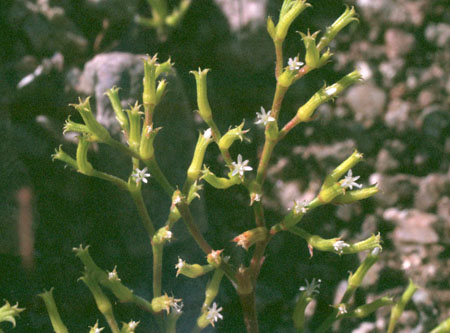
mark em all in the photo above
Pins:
pixel 54 51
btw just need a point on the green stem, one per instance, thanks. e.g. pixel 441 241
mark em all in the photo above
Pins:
pixel 185 213
pixel 136 194
pixel 157 268
pixel 279 55
pixel 159 176
pixel 249 311
pixel 113 179
pixel 122 148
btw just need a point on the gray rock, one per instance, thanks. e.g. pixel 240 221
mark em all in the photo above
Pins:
pixel 412 226
pixel 431 188
pixel 398 43
pixel 438 34
pixel 394 190
pixel 367 101
pixel 398 115
pixel 386 162
pixel 443 209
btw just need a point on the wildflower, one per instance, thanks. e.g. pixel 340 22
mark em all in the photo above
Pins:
pixel 263 117
pixel 349 181
pixel 96 329
pixel 207 134
pixel 311 288
pixel 132 325
pixel 240 167
pixel 299 207
pixel 165 303
pixel 177 308
pixel 181 263
pixel 339 246
pixel 250 237
pixel 342 309
pixel 294 64
pixel 140 175
pixel 167 235
pixel 213 314
pixel 112 276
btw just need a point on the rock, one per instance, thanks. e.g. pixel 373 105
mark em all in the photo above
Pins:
pixel 398 115
pixel 327 154
pixel 438 34
pixel 367 101
pixel 47 29
pixel 386 162
pixel 412 226
pixel 390 69
pixel 443 208
pixel 124 70
pixel 250 13
pixel 430 190
pixel 394 190
pixel 365 327
pixel 398 43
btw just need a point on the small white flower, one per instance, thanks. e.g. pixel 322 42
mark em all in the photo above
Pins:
pixel 133 324
pixel 294 64
pixel 342 309
pixel 349 181
pixel 213 314
pixel 300 207
pixel 140 175
pixel 180 264
pixel 167 235
pixel 312 287
pixel 330 91
pixel 339 246
pixel 177 308
pixel 207 134
pixel 113 275
pixel 263 117
pixel 240 167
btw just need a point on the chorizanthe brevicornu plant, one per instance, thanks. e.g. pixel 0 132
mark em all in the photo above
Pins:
pixel 139 130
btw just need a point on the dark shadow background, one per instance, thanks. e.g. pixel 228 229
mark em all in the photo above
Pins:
pixel 399 120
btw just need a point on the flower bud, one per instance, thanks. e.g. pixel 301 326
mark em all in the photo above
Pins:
pixel 290 10
pixel 194 169
pixel 84 108
pixel 214 258
pixel 134 115
pixel 162 236
pixel 149 82
pixel 367 309
pixel 312 57
pixel 294 217
pixel 164 303
pixel 250 237
pixel 232 135
pixel 202 97
pixel 146 150
pixel 8 313
pixel 192 271
pixel 160 90
pixel 219 182
pixel 271 27
pixel 82 162
pixel 63 156
pixel 352 196
pixel 165 67
pixel 53 313
pixel 346 18
pixel 113 95
pixel 345 166
pixel 70 126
